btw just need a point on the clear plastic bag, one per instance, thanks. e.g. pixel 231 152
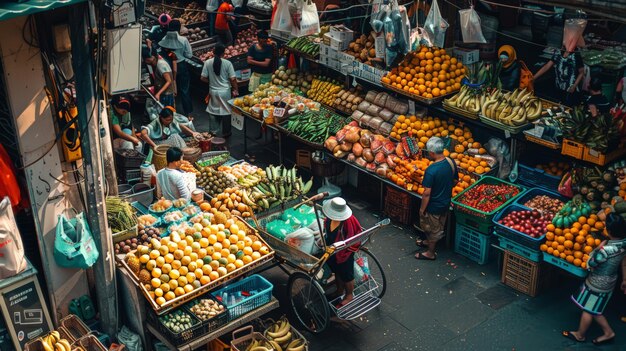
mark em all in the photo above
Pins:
pixel 500 150
pixel 378 15
pixel 436 26
pixel 470 26
pixel 282 18
pixel 573 32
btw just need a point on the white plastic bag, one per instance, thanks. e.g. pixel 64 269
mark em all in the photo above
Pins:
pixel 303 239
pixel 282 17
pixel 309 20
pixel 436 26
pixel 470 26
pixel 237 3
pixel 12 260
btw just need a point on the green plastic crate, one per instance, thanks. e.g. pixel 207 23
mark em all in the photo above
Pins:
pixel 476 219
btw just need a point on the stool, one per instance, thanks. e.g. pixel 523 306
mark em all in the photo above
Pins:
pixel 218 144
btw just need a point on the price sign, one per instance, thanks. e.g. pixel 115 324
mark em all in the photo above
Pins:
pixel 354 83
pixel 507 134
pixel 411 107
pixel 236 120
pixel 279 112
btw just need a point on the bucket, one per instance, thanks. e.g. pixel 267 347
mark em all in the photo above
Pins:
pixel 205 145
pixel 124 189
pixel 159 160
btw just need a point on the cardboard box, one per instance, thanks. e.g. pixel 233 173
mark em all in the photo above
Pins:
pixel 466 56
pixel 341 33
pixel 243 74
pixel 336 44
pixel 327 51
pixel 366 72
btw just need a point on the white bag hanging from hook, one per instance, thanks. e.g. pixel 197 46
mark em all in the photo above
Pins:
pixel 309 20
pixel 282 17
pixel 436 26
pixel 12 259
pixel 470 26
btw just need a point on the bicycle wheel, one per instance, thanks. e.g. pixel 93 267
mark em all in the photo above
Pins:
pixel 308 302
pixel 376 271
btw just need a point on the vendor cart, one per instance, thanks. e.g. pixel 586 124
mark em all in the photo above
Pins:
pixel 306 292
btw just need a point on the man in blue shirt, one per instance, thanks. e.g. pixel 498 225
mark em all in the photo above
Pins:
pixel 439 179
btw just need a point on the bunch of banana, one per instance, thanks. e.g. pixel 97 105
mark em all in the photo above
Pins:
pixel 250 180
pixel 324 90
pixel 260 345
pixel 467 99
pixel 281 185
pixel 282 339
pixel 512 108
pixel 576 125
pixel 53 342
pixel 604 133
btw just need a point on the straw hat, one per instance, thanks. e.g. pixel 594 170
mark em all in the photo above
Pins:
pixel 170 41
pixel 337 209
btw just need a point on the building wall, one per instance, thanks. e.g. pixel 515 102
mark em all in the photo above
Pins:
pixel 36 133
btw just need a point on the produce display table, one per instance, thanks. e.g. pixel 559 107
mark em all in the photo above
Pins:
pixel 238 115
pixel 205 339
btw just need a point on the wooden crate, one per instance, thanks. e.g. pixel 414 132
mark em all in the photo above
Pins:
pixel 521 274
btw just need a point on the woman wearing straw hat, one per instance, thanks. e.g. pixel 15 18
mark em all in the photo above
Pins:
pixel 340 225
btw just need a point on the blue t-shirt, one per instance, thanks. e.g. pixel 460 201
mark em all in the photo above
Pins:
pixel 440 177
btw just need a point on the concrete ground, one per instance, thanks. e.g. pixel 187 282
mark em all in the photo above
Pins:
pixel 448 304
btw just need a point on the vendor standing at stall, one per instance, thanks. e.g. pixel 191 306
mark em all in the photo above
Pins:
pixel 220 74
pixel 183 70
pixel 170 182
pixel 260 61
pixel 569 71
pixel 510 73
pixel 122 125
pixel 164 86
pixel 165 130
pixel 222 27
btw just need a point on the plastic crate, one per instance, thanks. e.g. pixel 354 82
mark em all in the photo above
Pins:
pixel 561 263
pixel 217 345
pixel 397 197
pixel 126 175
pixel 211 324
pixel 131 161
pixel 250 284
pixel 521 274
pixel 177 339
pixel 531 193
pixel 398 213
pixel 599 158
pixel 479 220
pixel 89 343
pixel 514 235
pixel 518 249
pixel 537 178
pixel 472 244
pixel 572 148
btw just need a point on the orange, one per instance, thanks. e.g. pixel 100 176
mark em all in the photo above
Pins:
pixel 582 220
pixel 568 244
pixel 578 254
pixel 588 249
pixel 556 253
pixel 583 265
pixel 555 244
pixel 580 239
pixel 560 239
pixel 577 262
pixel 543 247
pixel 599 225
pixel 550 251
pixel 590 241
pixel 550 235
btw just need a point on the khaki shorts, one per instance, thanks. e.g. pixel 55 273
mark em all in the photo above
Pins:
pixel 433 225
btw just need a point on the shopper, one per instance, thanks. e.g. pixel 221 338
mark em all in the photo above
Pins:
pixel 510 73
pixel 158 32
pixel 222 28
pixel 439 179
pixel 220 74
pixel 620 92
pixel 170 182
pixel 260 61
pixel 596 102
pixel 211 7
pixel 340 225
pixel 603 265
pixel 164 88
pixel 169 46
pixel 183 71
pixel 569 71
pixel 165 130
pixel 122 125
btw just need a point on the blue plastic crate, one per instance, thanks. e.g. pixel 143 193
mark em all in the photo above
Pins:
pixel 514 235
pixel 532 192
pixel 472 244
pixel 259 288
pixel 561 263
pixel 516 248
pixel 536 178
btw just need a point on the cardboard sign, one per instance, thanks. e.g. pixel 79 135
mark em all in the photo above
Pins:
pixel 279 112
pixel 236 120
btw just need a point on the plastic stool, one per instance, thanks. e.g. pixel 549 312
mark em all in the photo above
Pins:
pixel 218 144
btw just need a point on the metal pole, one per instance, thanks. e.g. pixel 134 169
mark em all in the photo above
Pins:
pixel 88 118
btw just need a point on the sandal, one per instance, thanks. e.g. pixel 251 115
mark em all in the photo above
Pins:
pixel 570 335
pixel 603 342
pixel 420 256
pixel 420 243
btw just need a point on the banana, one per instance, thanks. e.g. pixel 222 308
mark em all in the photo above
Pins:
pixel 284 339
pixel 60 347
pixel 294 343
pixel 259 348
pixel 46 345
pixel 66 344
pixel 297 348
pixel 275 346
pixel 56 335
pixel 278 334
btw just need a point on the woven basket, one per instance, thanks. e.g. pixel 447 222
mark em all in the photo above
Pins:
pixel 159 159
pixel 192 154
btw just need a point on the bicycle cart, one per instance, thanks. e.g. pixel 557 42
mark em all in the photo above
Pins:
pixel 307 296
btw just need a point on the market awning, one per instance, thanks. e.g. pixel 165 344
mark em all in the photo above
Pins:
pixel 12 9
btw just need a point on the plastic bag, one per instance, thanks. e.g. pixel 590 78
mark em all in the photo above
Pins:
pixel 573 32
pixel 500 150
pixel 436 26
pixel 378 15
pixel 309 23
pixel 12 260
pixel 73 244
pixel 361 268
pixel 303 239
pixel 129 339
pixel 282 18
pixel 470 26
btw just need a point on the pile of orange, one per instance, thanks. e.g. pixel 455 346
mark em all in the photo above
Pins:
pixel 423 128
pixel 574 244
pixel 427 72
pixel 409 174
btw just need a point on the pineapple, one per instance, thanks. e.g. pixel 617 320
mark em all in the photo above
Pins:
pixel 133 263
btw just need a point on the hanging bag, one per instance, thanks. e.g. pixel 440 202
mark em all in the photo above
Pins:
pixel 309 21
pixel 282 18
pixel 526 78
pixel 470 26
pixel 436 26
pixel 12 260
pixel 73 244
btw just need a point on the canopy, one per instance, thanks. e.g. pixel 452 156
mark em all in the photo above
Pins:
pixel 12 9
